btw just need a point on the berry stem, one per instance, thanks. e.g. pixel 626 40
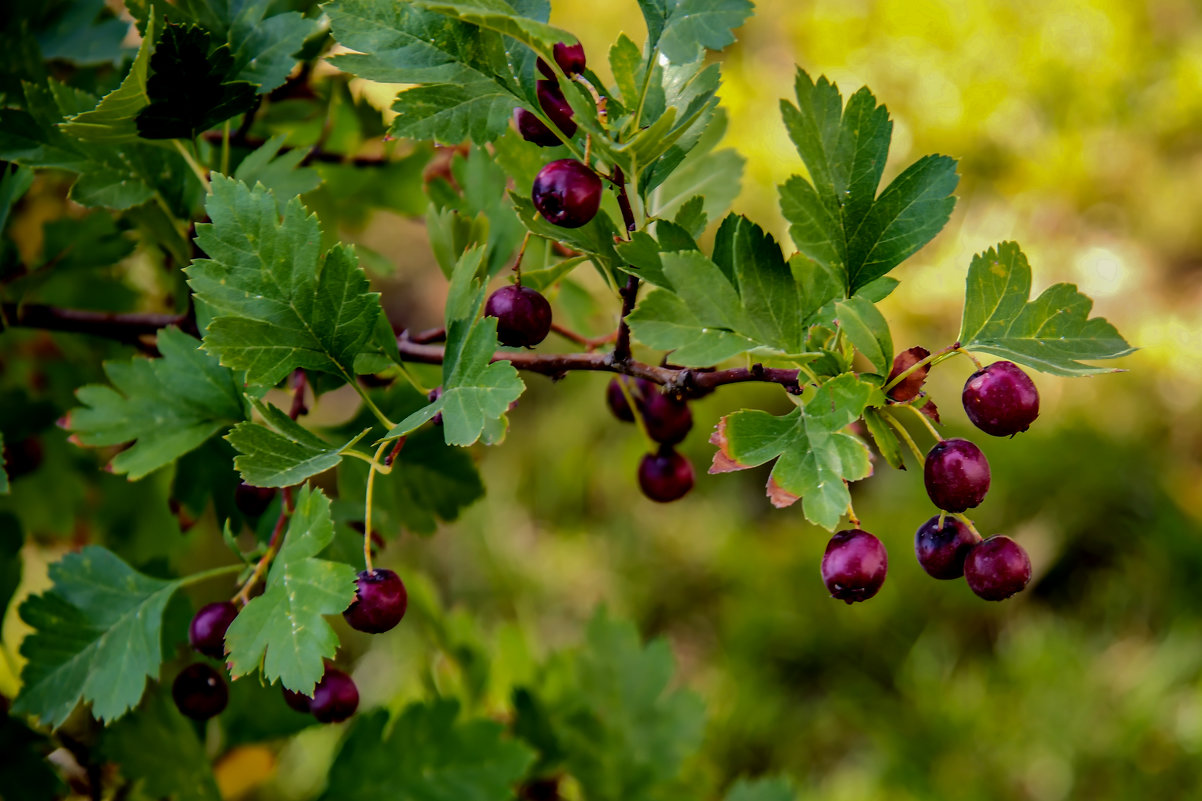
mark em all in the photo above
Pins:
pixel 932 359
pixel 851 514
pixel 193 164
pixel 242 598
pixel 517 263
pixel 905 436
pixel 225 148
pixel 299 382
pixel 371 486
pixel 967 523
pixel 375 410
pixel 205 575
pixel 580 339
pixel 925 421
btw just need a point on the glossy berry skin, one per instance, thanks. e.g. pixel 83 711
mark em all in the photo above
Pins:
pixel 854 565
pixel 567 193
pixel 997 568
pixel 523 315
pixel 199 691
pixel 941 551
pixel 956 475
pixel 1001 399
pixel 556 107
pixel 533 129
pixel 335 697
pixel 570 59
pixel 380 601
pixel 668 419
pixel 253 501
pixel 665 476
pixel 207 631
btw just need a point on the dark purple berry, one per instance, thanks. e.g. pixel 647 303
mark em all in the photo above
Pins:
pixel 997 568
pixel 1001 399
pixel 665 476
pixel 207 632
pixel 616 399
pixel 567 193
pixel 335 697
pixel 667 418
pixel 199 691
pixel 523 315
pixel 253 501
pixel 570 59
pixel 380 601
pixel 941 551
pixel 556 107
pixel 298 701
pixel 956 475
pixel 533 129
pixel 854 565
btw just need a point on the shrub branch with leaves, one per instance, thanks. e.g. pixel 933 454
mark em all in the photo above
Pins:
pixel 538 167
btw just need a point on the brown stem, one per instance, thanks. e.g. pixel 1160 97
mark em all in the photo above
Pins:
pixel 581 339
pixel 127 328
pixel 630 292
pixel 299 382
pixel 688 382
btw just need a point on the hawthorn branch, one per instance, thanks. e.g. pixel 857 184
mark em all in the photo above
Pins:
pixel 684 381
pixel 127 328
pixel 630 292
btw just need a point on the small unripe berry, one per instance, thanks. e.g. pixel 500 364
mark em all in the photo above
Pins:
pixel 523 315
pixel 335 697
pixel 997 568
pixel 1001 399
pixel 207 631
pixel 941 550
pixel 665 476
pixel 567 193
pixel 199 691
pixel 380 601
pixel 956 475
pixel 854 565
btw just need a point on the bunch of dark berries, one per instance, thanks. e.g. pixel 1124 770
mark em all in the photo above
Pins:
pixel 664 475
pixel 999 399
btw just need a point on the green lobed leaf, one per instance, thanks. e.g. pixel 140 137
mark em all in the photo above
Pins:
pixel 814 457
pixel 97 638
pixel 868 331
pixel 279 172
pixel 681 28
pixel 113 120
pixel 158 748
pixel 284 629
pixel 278 303
pixel 427 754
pixel 500 16
pixel 886 440
pixel 281 452
pixel 836 217
pixel 166 407
pixel 622 731
pixel 1051 333
pixel 263 47
pixel 192 86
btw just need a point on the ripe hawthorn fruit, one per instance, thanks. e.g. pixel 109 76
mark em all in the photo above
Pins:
pixel 956 475
pixel 854 565
pixel 1001 399
pixel 567 193
pixel 997 568
pixel 570 59
pixel 380 601
pixel 665 476
pixel 553 103
pixel 615 398
pixel 199 691
pixel 667 418
pixel 941 550
pixel 253 501
pixel 523 315
pixel 335 698
pixel 532 129
pixel 207 630
pixel 298 701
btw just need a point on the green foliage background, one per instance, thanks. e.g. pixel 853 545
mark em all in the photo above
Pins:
pixel 1077 128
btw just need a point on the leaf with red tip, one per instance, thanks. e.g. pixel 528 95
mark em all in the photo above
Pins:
pixel 779 496
pixel 722 462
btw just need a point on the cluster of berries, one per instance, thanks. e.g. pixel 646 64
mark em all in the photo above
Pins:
pixel 1000 400
pixel 200 691
pixel 666 474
